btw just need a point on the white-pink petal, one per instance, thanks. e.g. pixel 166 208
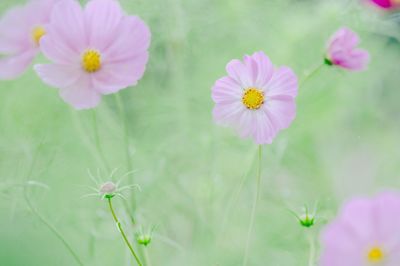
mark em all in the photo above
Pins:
pixel 102 19
pixel 283 82
pixel 81 94
pixel 13 66
pixel 59 76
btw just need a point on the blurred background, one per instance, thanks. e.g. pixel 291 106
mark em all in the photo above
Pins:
pixel 197 179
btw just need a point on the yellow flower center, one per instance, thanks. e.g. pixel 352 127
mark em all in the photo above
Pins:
pixel 37 33
pixel 91 61
pixel 253 98
pixel 375 255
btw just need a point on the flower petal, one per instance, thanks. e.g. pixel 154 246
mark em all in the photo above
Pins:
pixel 340 248
pixel 239 72
pixel 102 19
pixel 281 110
pixel 387 213
pixel 354 60
pixel 132 40
pixel 13 66
pixel 283 82
pixel 343 39
pixel 226 90
pixel 265 69
pixel 227 114
pixel 265 130
pixel 59 76
pixel 67 27
pixel 57 52
pixel 114 77
pixel 81 95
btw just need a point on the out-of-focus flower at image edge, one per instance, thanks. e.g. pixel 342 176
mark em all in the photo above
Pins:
pixel 256 99
pixel 21 29
pixel 366 232
pixel 386 4
pixel 95 51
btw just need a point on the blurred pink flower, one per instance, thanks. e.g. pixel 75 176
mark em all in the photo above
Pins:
pixel 343 53
pixel 255 98
pixel 386 4
pixel 366 232
pixel 93 51
pixel 21 28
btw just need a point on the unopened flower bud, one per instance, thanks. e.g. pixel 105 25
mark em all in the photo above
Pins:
pixel 143 239
pixel 108 189
pixel 307 220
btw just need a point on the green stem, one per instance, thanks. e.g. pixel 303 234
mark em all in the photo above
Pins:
pixel 41 217
pixel 312 250
pixel 123 233
pixel 147 257
pixel 126 141
pixel 254 208
pixel 126 131
pixel 312 74
pixel 98 142
pixel 52 228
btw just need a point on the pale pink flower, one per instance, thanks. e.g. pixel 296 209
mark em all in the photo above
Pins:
pixel 94 51
pixel 21 29
pixel 365 233
pixel 343 51
pixel 255 98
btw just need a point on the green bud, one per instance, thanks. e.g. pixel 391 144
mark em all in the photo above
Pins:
pixel 143 239
pixel 307 220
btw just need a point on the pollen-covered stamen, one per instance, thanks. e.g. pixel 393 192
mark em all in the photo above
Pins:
pixel 375 255
pixel 91 60
pixel 253 98
pixel 37 33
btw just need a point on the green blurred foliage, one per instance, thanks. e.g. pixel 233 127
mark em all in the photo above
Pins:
pixel 197 180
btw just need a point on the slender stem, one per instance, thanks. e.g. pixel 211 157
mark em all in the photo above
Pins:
pixel 126 141
pixel 309 76
pixel 52 228
pixel 147 257
pixel 126 131
pixel 312 250
pixel 123 233
pixel 41 217
pixel 253 211
pixel 98 142
pixel 233 199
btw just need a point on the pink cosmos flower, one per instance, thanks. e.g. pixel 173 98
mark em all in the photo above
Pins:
pixel 342 51
pixel 94 51
pixel 386 4
pixel 255 98
pixel 365 233
pixel 21 29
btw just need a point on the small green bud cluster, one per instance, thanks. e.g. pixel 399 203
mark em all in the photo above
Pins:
pixel 143 239
pixel 307 220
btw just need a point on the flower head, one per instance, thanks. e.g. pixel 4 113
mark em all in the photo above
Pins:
pixel 343 52
pixel 21 30
pixel 386 4
pixel 255 98
pixel 110 188
pixel 366 232
pixel 94 51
